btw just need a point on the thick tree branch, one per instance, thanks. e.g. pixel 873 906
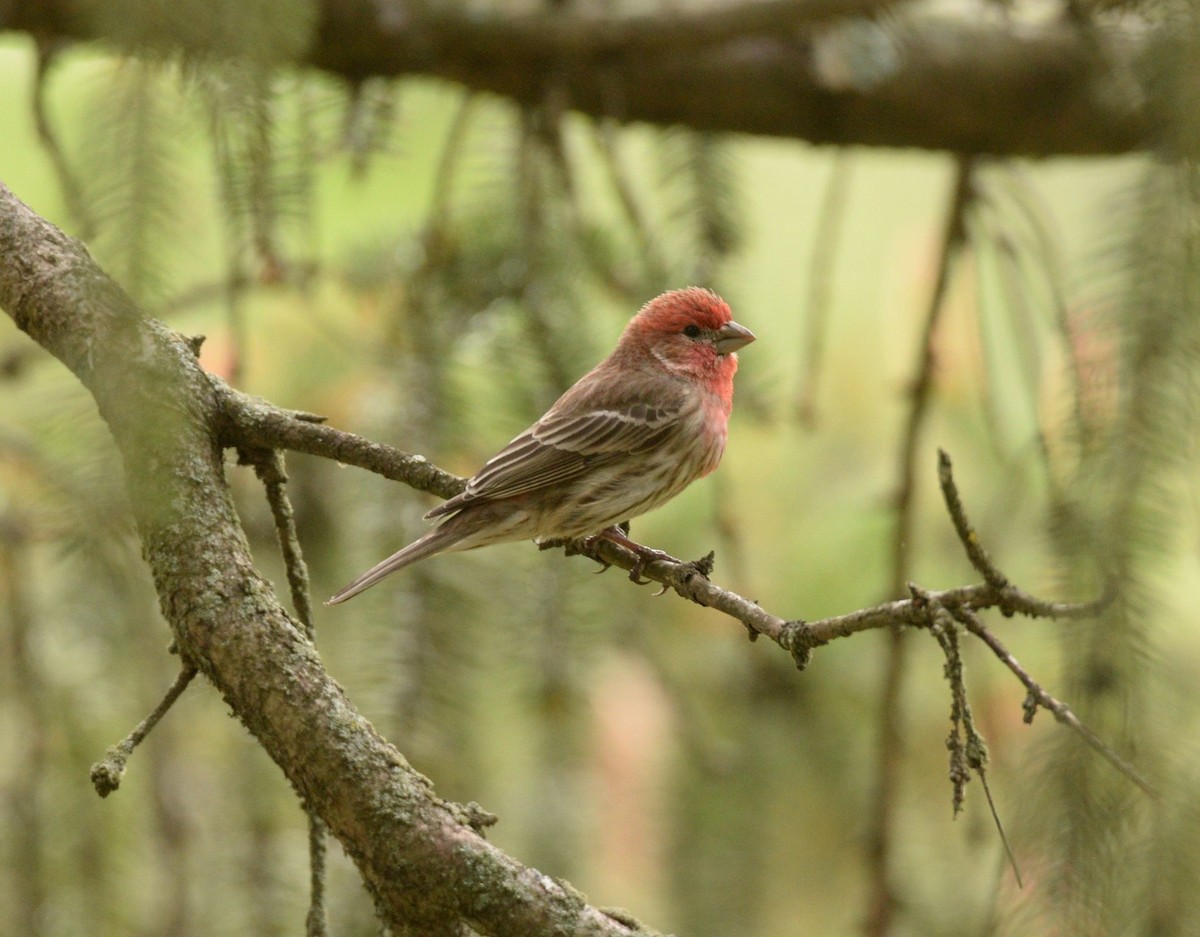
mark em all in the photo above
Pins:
pixel 782 68
pixel 424 862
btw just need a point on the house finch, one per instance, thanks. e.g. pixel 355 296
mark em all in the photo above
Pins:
pixel 628 436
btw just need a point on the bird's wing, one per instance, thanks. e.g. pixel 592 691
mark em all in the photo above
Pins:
pixel 562 446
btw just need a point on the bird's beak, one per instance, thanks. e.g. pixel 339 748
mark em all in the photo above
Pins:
pixel 731 337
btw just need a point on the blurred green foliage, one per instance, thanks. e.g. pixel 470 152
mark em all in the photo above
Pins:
pixel 431 271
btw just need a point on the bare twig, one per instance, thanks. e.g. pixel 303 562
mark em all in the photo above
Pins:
pixel 968 750
pixel 252 421
pixel 269 467
pixel 966 533
pixel 106 774
pixel 316 922
pixel 963 734
pixel 1027 604
pixel 1038 697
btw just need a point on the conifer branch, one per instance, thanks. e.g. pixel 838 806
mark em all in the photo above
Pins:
pixel 783 68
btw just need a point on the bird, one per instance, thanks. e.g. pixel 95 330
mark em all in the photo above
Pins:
pixel 628 436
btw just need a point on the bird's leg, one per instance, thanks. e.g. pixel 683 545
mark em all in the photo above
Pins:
pixel 644 554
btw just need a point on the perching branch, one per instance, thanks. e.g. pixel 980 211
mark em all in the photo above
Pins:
pixel 251 421
pixel 266 424
pixel 263 423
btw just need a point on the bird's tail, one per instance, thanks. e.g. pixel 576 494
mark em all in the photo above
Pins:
pixel 438 539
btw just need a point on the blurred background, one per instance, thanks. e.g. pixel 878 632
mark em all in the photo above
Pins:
pixel 430 268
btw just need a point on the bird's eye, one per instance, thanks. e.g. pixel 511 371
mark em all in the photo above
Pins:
pixel 691 331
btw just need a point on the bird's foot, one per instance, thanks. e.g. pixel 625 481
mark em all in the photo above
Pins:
pixel 647 555
pixel 642 553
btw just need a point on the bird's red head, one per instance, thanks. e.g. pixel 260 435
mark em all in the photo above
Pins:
pixel 677 309
pixel 689 332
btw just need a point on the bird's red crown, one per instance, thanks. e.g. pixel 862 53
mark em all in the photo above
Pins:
pixel 674 311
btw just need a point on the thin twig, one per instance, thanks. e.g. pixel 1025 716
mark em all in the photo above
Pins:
pixel 1038 697
pixel 966 533
pixel 253 422
pixel 1008 850
pixel 106 774
pixel 968 750
pixel 962 727
pixel 316 922
pixel 817 304
pixel 269 467
pixel 271 471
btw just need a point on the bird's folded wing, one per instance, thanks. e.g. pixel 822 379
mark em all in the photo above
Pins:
pixel 560 447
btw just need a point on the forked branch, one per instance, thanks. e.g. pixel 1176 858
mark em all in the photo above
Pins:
pixel 254 422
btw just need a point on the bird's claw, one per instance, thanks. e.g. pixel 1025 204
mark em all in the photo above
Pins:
pixel 647 555
pixel 635 572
